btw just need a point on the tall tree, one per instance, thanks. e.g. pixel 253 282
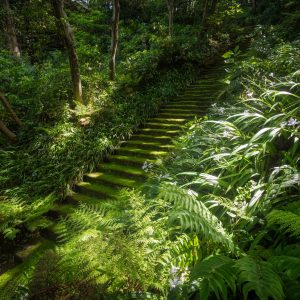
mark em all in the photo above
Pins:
pixel 114 38
pixel 170 4
pixel 67 33
pixel 213 6
pixel 10 29
pixel 3 128
pixel 7 133
pixel 204 14
pixel 9 109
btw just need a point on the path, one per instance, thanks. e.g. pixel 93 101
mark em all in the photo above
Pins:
pixel 125 168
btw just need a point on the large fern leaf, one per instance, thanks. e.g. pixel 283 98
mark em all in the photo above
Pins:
pixel 215 274
pixel 288 219
pixel 194 216
pixel 257 275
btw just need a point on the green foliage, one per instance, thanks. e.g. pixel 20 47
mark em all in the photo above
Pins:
pixel 259 276
pixel 287 219
pixel 194 216
pixel 226 219
pixel 116 248
pixel 240 167
pixel 215 274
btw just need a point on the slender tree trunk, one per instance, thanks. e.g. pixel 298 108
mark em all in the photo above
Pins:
pixel 170 4
pixel 114 39
pixel 204 14
pixel 254 6
pixel 67 33
pixel 10 110
pixel 213 6
pixel 9 134
pixel 10 30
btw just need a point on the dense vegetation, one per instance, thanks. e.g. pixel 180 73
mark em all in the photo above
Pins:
pixel 220 218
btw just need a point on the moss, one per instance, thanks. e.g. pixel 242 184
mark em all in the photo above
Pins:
pixel 33 256
pixel 123 169
pixel 100 190
pixel 149 145
pixel 112 180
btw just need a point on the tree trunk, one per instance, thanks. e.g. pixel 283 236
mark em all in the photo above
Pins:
pixel 213 6
pixel 114 39
pixel 10 110
pixel 254 6
pixel 9 134
pixel 10 30
pixel 170 4
pixel 66 31
pixel 204 14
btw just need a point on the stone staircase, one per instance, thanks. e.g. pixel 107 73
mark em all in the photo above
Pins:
pixel 125 168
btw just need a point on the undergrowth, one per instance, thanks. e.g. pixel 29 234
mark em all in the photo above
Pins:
pixel 220 220
pixel 53 156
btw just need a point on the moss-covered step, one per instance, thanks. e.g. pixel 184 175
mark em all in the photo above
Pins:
pixel 149 145
pixel 124 170
pixel 30 257
pixel 96 189
pixel 53 232
pixel 27 250
pixel 205 85
pixel 149 137
pixel 202 99
pixel 141 152
pixel 185 101
pixel 161 125
pixel 179 115
pixel 180 104
pixel 130 160
pixel 160 131
pixel 78 198
pixel 191 94
pixel 182 110
pixel 169 121
pixel 111 180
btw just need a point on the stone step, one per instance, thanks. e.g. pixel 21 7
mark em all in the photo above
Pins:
pixel 152 154
pixel 60 210
pixel 160 131
pixel 184 115
pixel 206 85
pixel 170 120
pixel 111 179
pixel 29 256
pixel 77 199
pixel 101 191
pixel 195 101
pixel 136 161
pixel 182 110
pixel 148 137
pixel 149 145
pixel 196 107
pixel 155 125
pixel 123 170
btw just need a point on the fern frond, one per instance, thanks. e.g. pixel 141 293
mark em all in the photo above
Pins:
pixel 257 275
pixel 215 274
pixel 288 220
pixel 289 265
pixel 194 216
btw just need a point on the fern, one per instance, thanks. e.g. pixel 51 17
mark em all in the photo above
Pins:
pixel 215 274
pixel 257 275
pixel 288 219
pixel 194 216
pixel 117 246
